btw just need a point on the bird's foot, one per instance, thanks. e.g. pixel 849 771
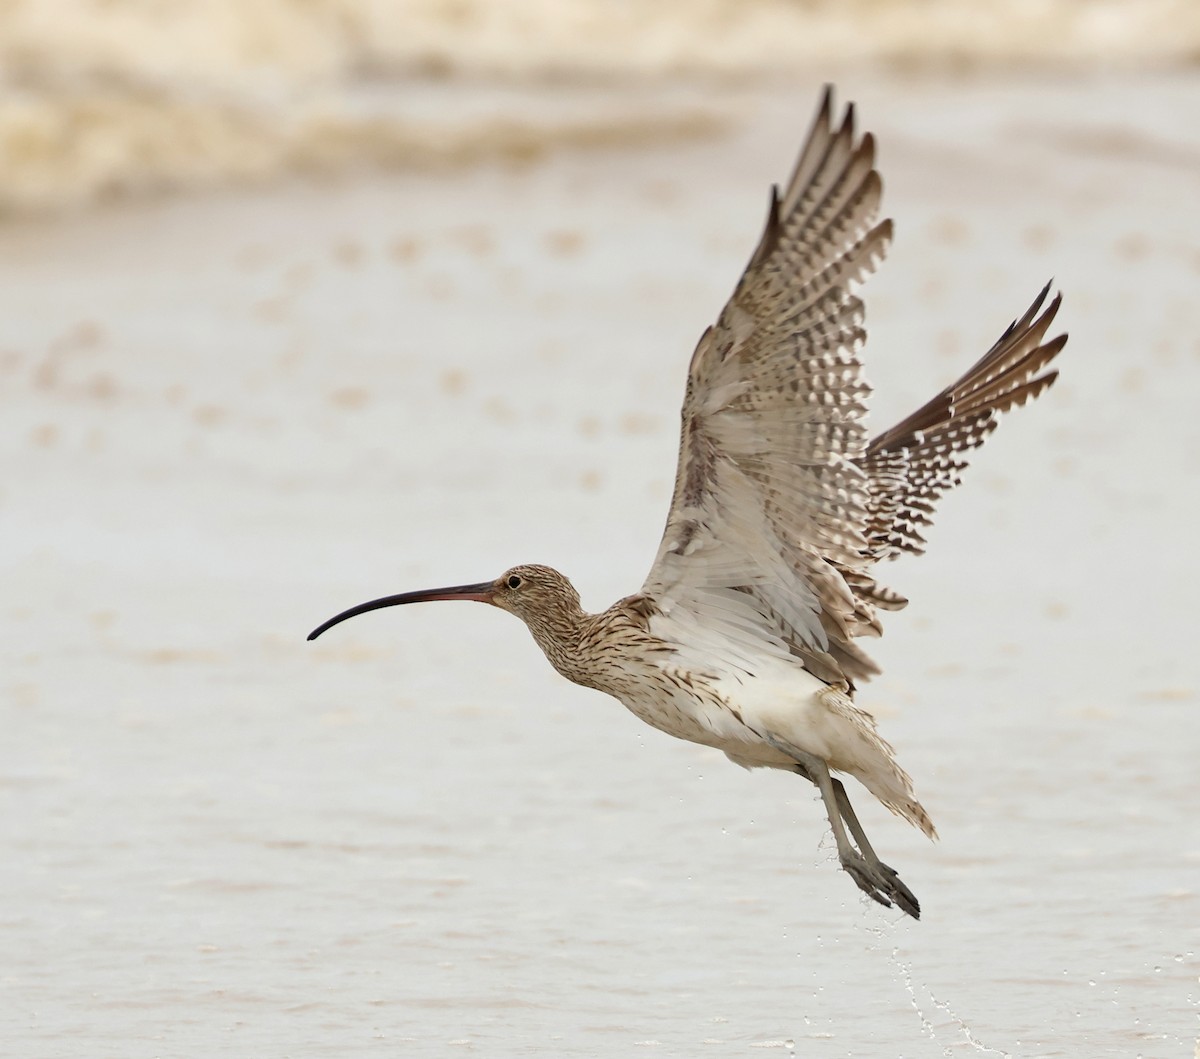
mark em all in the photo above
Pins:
pixel 881 883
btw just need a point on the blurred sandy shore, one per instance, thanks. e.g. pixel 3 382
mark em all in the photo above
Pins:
pixel 104 99
pixel 226 417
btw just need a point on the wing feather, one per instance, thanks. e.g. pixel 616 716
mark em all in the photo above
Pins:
pixel 914 463
pixel 780 505
pixel 767 489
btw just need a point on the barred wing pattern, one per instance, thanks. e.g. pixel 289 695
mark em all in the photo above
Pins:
pixel 919 459
pixel 780 505
pixel 767 489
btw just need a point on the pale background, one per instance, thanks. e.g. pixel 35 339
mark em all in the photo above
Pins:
pixel 305 303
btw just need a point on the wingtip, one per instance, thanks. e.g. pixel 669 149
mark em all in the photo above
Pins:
pixel 826 104
pixel 827 107
pixel 771 229
pixel 1048 315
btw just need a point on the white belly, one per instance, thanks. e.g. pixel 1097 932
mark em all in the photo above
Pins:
pixel 727 711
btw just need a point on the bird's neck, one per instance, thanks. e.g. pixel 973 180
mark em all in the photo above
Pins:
pixel 593 649
pixel 559 635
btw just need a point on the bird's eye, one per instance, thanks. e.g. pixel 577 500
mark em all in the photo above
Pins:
pixel 514 581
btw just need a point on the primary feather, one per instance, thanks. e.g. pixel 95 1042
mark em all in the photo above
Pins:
pixel 781 506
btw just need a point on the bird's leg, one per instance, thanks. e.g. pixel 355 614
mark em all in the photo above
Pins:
pixel 903 896
pixel 813 768
pixel 856 829
pixel 878 882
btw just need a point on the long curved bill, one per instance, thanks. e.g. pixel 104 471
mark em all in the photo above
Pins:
pixel 482 593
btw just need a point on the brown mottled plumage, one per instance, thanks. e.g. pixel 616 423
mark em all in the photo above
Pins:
pixel 743 635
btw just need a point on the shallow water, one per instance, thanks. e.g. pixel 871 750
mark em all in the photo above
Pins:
pixel 225 419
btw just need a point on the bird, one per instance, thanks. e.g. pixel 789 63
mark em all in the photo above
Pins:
pixel 745 635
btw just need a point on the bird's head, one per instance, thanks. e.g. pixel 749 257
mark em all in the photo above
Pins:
pixel 531 591
pixel 542 597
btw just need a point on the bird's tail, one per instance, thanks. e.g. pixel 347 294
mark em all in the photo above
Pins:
pixel 873 763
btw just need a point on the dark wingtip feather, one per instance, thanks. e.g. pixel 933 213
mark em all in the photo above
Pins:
pixel 848 121
pixel 771 231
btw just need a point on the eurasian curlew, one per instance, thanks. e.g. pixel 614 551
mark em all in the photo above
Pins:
pixel 744 635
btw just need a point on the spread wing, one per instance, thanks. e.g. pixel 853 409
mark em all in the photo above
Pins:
pixel 768 490
pixel 921 457
pixel 780 505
